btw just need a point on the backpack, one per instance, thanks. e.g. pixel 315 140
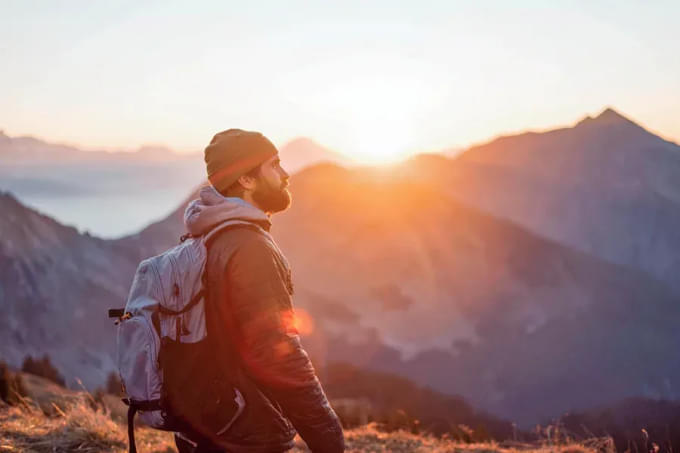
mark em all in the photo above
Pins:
pixel 162 342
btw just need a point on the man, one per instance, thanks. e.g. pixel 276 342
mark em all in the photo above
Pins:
pixel 249 313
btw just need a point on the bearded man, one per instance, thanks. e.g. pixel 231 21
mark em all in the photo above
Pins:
pixel 249 312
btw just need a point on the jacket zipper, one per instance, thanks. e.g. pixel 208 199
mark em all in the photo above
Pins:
pixel 241 402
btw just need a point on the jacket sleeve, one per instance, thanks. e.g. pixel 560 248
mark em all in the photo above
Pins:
pixel 270 348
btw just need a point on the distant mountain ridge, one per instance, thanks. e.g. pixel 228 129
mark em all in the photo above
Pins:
pixel 26 150
pixel 31 150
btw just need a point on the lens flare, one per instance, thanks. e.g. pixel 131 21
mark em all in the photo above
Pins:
pixel 299 321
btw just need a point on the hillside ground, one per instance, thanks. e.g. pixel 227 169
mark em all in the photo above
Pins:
pixel 78 424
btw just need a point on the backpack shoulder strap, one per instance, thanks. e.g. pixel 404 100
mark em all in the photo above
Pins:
pixel 229 224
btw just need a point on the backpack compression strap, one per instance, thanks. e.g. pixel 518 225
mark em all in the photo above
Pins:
pixel 187 307
pixel 134 406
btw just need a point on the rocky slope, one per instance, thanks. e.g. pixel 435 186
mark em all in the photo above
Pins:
pixel 55 288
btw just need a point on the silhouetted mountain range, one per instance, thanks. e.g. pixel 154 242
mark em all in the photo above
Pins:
pixel 28 150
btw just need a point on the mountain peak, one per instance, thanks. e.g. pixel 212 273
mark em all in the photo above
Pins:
pixel 609 116
pixel 7 195
pixel 302 152
pixel 297 141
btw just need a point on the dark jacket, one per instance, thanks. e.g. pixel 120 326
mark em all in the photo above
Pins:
pixel 249 317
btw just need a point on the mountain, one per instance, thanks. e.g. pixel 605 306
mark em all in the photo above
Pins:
pixel 55 288
pixel 97 190
pixel 480 306
pixel 425 270
pixel 605 186
pixel 29 150
pixel 303 152
pixel 399 277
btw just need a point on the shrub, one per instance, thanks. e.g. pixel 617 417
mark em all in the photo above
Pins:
pixel 113 384
pixel 11 385
pixel 5 381
pixel 113 387
pixel 44 368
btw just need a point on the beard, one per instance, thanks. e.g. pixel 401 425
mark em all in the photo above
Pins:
pixel 271 199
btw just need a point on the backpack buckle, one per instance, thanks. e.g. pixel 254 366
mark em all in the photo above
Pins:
pixel 116 312
pixel 120 314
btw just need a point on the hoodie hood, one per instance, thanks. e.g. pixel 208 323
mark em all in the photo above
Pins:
pixel 212 208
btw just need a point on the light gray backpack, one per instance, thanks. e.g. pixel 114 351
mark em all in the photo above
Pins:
pixel 165 306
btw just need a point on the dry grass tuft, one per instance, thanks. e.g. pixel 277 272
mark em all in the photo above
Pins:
pixel 76 427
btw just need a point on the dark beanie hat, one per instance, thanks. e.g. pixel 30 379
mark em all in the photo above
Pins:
pixel 233 153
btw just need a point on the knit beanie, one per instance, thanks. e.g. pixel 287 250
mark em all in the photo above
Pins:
pixel 233 153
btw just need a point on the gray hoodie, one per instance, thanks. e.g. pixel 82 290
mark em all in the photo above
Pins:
pixel 212 208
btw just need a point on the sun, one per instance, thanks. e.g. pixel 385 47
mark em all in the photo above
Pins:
pixel 380 139
pixel 379 115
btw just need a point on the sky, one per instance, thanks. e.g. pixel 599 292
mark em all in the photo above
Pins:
pixel 376 80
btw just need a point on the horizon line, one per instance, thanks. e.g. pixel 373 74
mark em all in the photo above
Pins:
pixel 179 152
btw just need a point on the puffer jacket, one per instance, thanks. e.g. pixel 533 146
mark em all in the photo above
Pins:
pixel 250 322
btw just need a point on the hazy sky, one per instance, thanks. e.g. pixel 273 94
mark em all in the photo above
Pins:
pixel 368 78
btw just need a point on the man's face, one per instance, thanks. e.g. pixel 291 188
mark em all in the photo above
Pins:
pixel 271 192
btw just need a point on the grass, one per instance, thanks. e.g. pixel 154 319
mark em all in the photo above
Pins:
pixel 79 425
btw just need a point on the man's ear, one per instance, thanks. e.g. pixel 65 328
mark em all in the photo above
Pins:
pixel 248 182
